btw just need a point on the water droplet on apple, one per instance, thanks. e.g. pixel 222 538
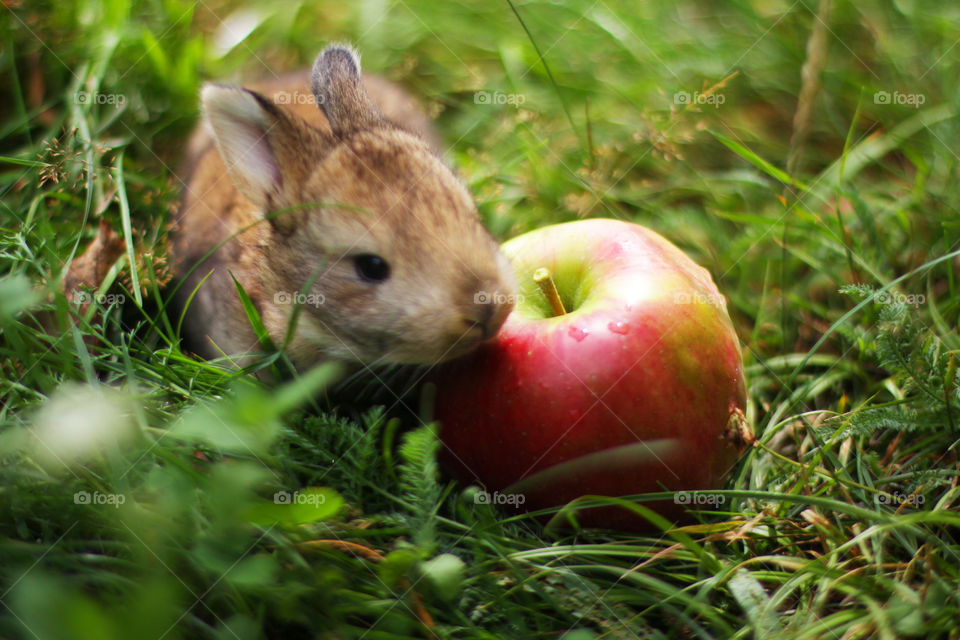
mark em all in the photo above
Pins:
pixel 577 334
pixel 619 327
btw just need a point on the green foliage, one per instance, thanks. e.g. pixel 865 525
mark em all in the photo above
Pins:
pixel 340 452
pixel 922 367
pixel 419 483
pixel 146 494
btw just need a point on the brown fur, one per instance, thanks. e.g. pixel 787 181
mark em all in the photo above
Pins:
pixel 312 188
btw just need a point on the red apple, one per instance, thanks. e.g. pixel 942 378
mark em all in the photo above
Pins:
pixel 638 387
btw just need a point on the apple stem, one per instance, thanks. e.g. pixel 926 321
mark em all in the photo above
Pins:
pixel 544 280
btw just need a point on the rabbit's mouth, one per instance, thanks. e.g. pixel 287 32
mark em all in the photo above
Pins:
pixel 454 346
pixel 457 346
pixel 359 344
pixel 468 341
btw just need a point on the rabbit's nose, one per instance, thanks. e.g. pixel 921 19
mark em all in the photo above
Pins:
pixel 489 314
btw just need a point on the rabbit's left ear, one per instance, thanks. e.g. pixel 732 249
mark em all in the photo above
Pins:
pixel 338 90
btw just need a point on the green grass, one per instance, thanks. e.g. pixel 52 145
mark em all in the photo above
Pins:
pixel 840 523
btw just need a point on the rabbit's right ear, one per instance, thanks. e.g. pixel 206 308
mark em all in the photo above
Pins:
pixel 261 146
pixel 338 90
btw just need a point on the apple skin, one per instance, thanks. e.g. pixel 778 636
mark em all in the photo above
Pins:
pixel 641 381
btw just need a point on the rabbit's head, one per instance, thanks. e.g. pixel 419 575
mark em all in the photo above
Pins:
pixel 367 231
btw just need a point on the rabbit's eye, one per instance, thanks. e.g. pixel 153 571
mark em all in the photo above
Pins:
pixel 371 267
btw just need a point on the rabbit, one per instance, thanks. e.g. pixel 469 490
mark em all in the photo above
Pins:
pixel 317 201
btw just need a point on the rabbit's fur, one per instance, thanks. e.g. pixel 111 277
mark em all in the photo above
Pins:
pixel 313 187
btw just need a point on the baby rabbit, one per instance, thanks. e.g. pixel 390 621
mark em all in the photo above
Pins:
pixel 327 205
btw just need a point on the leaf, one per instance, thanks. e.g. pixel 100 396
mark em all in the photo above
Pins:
pixel 255 571
pixel 246 426
pixel 418 480
pixel 396 564
pixel 311 504
pixel 253 316
pixel 753 599
pixel 23 162
pixel 156 53
pixel 306 386
pixel 16 294
pixel 445 573
pixel 759 162
pixel 127 230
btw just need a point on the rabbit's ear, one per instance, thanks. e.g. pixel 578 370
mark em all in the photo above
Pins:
pixel 339 91
pixel 260 145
